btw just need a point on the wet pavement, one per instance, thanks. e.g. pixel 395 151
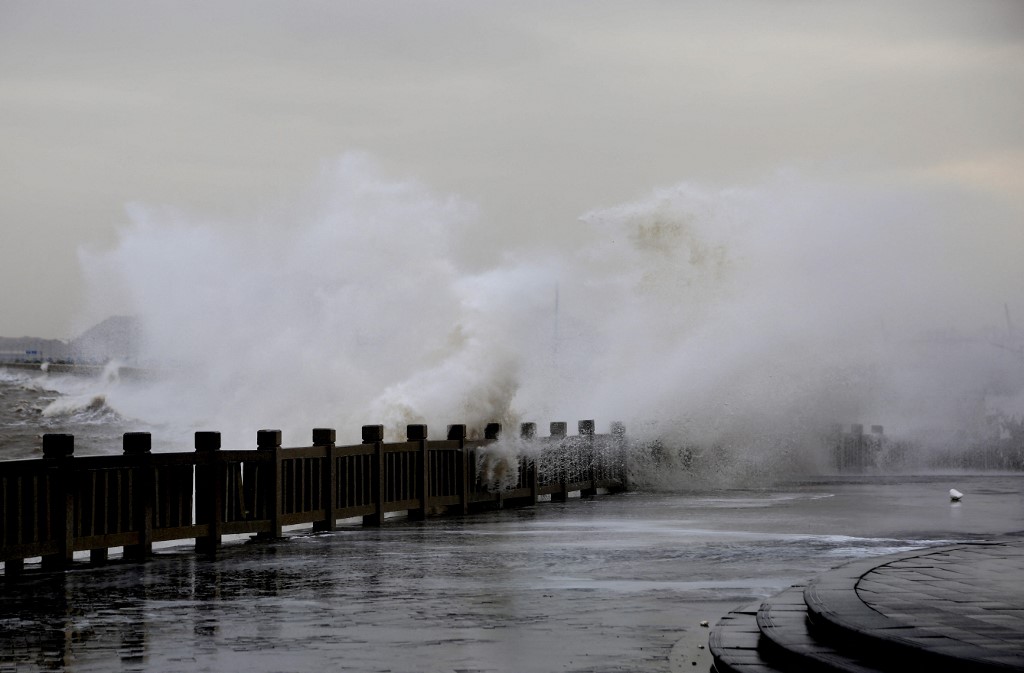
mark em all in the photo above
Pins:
pixel 613 583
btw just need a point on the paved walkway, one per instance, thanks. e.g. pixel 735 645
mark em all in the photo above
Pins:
pixel 966 600
pixel 958 608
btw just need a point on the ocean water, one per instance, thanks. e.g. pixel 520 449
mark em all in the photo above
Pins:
pixel 98 410
pixel 33 403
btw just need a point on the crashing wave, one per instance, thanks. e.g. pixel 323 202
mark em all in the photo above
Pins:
pixel 41 384
pixel 82 408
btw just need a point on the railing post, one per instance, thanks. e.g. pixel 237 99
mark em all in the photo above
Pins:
pixel 558 431
pixel 58 451
pixel 270 441
pixel 209 481
pixel 527 432
pixel 139 445
pixel 326 437
pixel 457 433
pixel 374 434
pixel 586 429
pixel 418 433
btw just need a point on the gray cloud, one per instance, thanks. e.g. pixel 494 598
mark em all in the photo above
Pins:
pixel 537 113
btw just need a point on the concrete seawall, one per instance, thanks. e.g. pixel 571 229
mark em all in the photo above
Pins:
pixel 84 370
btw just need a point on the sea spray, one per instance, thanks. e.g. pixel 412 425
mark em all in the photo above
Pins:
pixel 739 322
pixel 756 315
pixel 498 464
pixel 296 326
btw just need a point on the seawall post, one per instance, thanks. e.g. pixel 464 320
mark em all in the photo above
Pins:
pixel 558 431
pixel 418 433
pixel 492 431
pixel 270 441
pixel 621 452
pixel 374 434
pixel 209 481
pixel 326 438
pixel 528 432
pixel 139 446
pixel 586 454
pixel 58 452
pixel 457 433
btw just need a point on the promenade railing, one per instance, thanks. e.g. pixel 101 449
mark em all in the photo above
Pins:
pixel 61 504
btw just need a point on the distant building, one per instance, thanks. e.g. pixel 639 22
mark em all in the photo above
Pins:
pixel 32 349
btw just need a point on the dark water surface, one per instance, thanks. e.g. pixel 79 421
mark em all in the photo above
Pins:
pixel 33 403
pixel 614 583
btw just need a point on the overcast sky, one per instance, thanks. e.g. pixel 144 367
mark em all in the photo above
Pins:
pixel 537 112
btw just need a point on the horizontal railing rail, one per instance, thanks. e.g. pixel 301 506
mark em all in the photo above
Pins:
pixel 61 504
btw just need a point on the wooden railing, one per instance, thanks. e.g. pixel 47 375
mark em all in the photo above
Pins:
pixel 62 504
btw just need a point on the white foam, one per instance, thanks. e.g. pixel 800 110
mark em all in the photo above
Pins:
pixel 76 404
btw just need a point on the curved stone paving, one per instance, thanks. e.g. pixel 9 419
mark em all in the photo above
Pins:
pixel 953 608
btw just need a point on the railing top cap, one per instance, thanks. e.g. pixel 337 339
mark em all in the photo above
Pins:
pixel 324 436
pixel 373 434
pixel 207 440
pixel 268 439
pixel 137 443
pixel 58 445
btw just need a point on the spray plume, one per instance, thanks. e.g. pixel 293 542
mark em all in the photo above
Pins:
pixel 742 319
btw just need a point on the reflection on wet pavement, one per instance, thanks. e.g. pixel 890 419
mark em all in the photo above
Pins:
pixel 610 584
